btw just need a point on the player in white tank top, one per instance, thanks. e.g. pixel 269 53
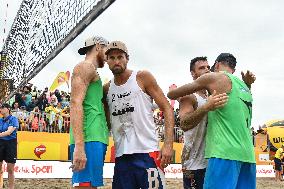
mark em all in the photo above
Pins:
pixel 129 97
pixel 132 120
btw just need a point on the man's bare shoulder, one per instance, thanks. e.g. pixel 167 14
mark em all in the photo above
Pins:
pixel 85 66
pixel 209 78
pixel 144 73
pixel 188 99
pixel 146 78
pixel 84 70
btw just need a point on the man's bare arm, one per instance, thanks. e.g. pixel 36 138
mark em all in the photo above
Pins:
pixel 203 82
pixel 187 106
pixel 82 75
pixel 191 117
pixel 152 88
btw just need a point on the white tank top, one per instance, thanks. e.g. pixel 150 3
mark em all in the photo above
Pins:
pixel 194 143
pixel 131 118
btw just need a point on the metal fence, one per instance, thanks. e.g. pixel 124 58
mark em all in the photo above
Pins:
pixel 60 123
pixel 43 122
pixel 178 133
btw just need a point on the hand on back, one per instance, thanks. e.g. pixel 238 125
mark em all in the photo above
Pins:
pixel 216 101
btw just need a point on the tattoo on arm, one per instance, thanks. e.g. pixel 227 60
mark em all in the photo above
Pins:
pixel 190 115
pixel 191 120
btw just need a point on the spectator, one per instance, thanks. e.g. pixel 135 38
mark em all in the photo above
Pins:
pixel 34 93
pixel 15 107
pixel 52 111
pixel 65 101
pixel 27 96
pixel 66 119
pixel 23 119
pixel 45 90
pixel 37 121
pixel 278 163
pixel 58 95
pixel 42 102
pixel 32 105
pixel 19 99
pixel 53 100
pixel 8 142
pixel 16 111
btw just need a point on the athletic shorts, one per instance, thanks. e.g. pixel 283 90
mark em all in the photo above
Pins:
pixel 8 150
pixel 193 179
pixel 92 175
pixel 141 170
pixel 278 164
pixel 229 174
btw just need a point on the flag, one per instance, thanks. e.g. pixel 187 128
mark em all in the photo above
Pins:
pixel 61 78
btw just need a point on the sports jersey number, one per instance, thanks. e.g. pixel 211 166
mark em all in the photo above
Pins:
pixel 153 181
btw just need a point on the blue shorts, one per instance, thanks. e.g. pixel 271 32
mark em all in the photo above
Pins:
pixel 133 171
pixel 92 175
pixel 229 174
pixel 193 179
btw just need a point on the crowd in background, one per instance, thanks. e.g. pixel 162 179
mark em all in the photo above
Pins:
pixel 159 121
pixel 39 110
pixel 46 111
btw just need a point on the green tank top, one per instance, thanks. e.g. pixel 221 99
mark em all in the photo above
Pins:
pixel 94 120
pixel 228 133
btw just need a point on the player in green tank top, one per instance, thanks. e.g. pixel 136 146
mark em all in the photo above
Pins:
pixel 229 144
pixel 89 132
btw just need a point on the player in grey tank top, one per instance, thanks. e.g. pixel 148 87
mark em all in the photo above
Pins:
pixel 193 115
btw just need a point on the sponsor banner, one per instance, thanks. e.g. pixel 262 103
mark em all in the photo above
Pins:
pixel 265 171
pixel 58 169
pixel 40 169
pixel 55 146
pixel 173 171
pixel 43 146
pixel 48 169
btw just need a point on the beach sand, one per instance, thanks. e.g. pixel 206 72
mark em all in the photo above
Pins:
pixel 262 183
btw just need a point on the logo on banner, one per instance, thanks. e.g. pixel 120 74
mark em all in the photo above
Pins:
pixel 38 151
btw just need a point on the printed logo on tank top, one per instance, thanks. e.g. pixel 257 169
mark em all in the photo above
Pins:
pixel 122 108
pixel 244 90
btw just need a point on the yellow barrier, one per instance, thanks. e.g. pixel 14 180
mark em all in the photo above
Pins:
pixel 54 146
pixel 42 145
pixel 176 159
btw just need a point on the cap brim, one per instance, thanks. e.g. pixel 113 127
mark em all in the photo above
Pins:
pixel 82 51
pixel 108 50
